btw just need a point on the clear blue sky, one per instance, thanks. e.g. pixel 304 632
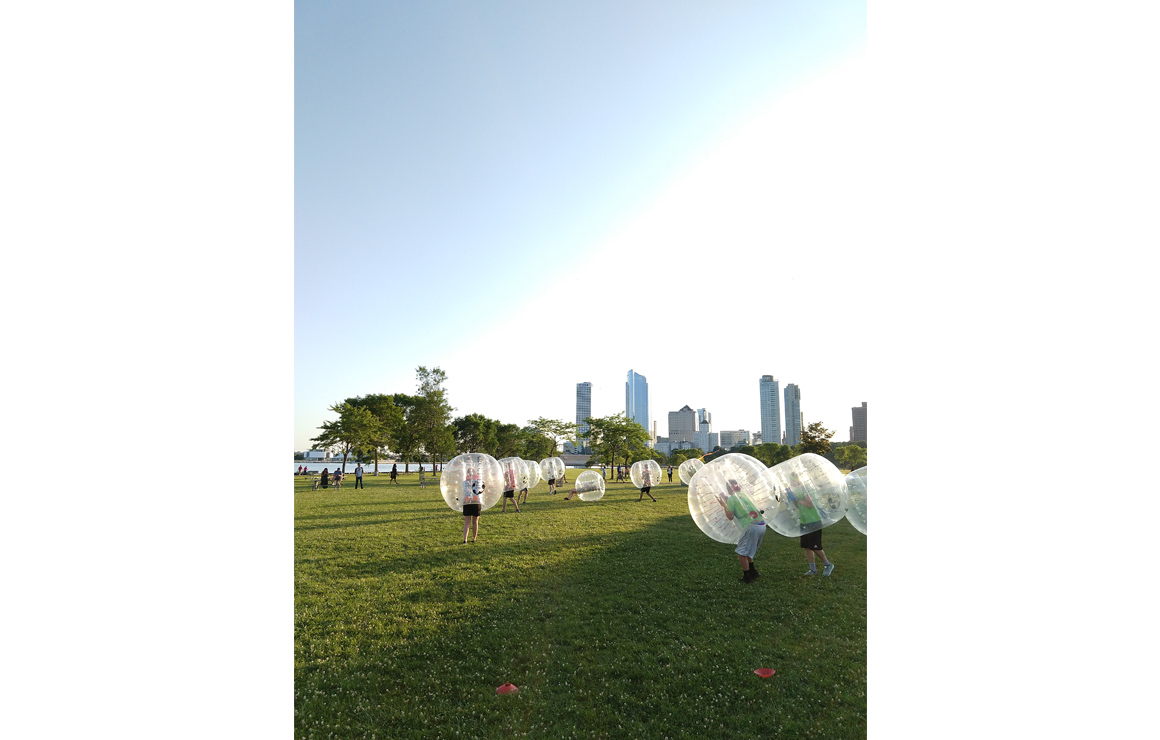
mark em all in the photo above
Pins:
pixel 454 162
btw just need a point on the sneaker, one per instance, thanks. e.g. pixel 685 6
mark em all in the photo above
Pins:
pixel 828 569
pixel 810 572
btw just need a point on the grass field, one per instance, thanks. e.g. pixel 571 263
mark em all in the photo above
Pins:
pixel 616 619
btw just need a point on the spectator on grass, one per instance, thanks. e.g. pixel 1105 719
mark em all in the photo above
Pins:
pixel 395 474
pixel 741 511
pixel 326 477
pixel 358 481
pixel 670 474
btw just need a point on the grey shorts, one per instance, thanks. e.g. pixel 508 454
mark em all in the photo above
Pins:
pixel 750 540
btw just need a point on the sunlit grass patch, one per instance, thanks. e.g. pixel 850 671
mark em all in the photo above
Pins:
pixel 616 618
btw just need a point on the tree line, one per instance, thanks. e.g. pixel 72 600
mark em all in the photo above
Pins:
pixel 420 427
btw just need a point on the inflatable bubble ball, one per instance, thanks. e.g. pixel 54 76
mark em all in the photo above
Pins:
pixel 552 467
pixel 811 495
pixel 712 487
pixel 515 474
pixel 688 469
pixel 462 470
pixel 534 476
pixel 589 486
pixel 856 499
pixel 645 473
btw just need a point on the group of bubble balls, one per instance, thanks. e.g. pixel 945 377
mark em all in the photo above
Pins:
pixel 796 497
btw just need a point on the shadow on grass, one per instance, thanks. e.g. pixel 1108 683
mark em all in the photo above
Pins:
pixel 620 627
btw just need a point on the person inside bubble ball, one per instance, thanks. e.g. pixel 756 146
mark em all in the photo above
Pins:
pixel 509 488
pixel 741 511
pixel 472 506
pixel 646 479
pixel 811 542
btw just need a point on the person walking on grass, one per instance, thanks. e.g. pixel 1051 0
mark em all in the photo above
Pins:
pixel 472 506
pixel 747 517
pixel 509 487
pixel 358 481
pixel 811 542
pixel 395 474
pixel 646 474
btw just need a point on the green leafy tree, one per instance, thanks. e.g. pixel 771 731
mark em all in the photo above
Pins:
pixel 615 439
pixel 536 445
pixel 475 433
pixel 851 457
pixel 390 417
pixel 430 418
pixel 772 454
pixel 405 442
pixel 352 430
pixel 745 450
pixel 555 430
pixel 510 441
pixel 815 439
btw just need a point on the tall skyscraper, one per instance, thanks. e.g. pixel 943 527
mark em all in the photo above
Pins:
pixel 770 408
pixel 793 415
pixel 682 425
pixel 858 431
pixel 583 411
pixel 636 399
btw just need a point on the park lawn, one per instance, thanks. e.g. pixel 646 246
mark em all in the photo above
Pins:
pixel 616 619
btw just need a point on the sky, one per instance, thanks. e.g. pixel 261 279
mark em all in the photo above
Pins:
pixel 532 195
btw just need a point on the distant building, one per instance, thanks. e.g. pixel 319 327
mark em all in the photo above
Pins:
pixel 704 417
pixel 583 411
pixel 316 455
pixel 682 425
pixel 793 415
pixel 770 408
pixel 858 431
pixel 735 437
pixel 636 399
pixel 756 439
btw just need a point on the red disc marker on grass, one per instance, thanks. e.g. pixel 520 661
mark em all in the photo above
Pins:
pixel 764 672
pixel 507 688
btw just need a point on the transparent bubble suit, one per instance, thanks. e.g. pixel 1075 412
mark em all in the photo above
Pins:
pixel 715 480
pixel 534 476
pixel 688 469
pixel 589 486
pixel 645 473
pixel 515 474
pixel 552 467
pixel 455 480
pixel 811 495
pixel 856 499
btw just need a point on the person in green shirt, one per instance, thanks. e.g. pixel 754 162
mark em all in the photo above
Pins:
pixel 747 517
pixel 811 542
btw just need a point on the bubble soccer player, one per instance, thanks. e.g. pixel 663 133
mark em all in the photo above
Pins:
pixel 510 481
pixel 811 542
pixel 741 511
pixel 472 506
pixel 646 479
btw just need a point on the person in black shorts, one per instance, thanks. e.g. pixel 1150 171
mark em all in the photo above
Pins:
pixel 509 489
pixel 811 542
pixel 670 474
pixel 646 474
pixel 472 506
pixel 551 486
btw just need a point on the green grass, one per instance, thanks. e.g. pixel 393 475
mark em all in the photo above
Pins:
pixel 616 619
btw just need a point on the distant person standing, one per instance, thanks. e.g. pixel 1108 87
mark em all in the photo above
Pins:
pixel 603 471
pixel 395 474
pixel 326 477
pixel 670 474
pixel 358 474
